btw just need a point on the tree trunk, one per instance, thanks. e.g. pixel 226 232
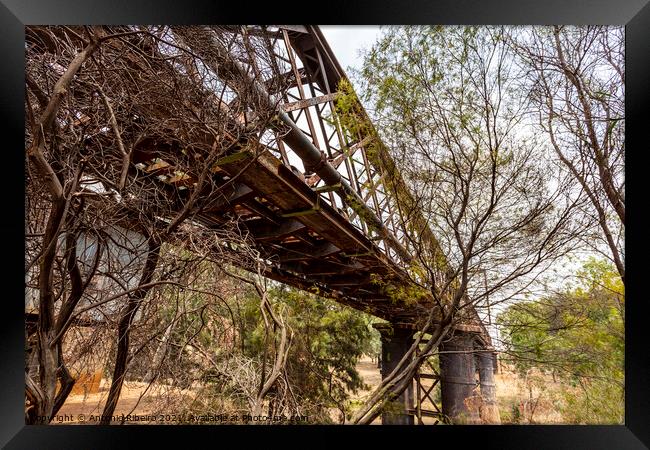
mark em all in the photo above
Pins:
pixel 123 332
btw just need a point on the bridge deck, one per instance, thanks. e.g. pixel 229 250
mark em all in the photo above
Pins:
pixel 304 226
pixel 295 194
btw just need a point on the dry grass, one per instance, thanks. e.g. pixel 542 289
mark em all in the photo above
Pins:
pixel 534 399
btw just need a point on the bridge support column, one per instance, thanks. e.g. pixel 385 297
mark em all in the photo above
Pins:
pixel 458 379
pixel 395 342
pixel 486 367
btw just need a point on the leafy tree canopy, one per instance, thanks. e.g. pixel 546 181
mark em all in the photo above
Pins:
pixel 577 333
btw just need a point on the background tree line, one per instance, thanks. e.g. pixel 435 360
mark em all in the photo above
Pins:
pixel 578 336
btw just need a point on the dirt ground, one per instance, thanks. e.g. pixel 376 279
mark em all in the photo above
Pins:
pixel 138 401
pixel 513 393
pixel 143 403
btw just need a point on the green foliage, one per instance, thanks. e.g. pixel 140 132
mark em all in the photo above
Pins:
pixel 328 340
pixel 580 334
pixel 515 413
pixel 226 324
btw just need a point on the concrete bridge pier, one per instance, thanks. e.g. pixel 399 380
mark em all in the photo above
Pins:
pixel 489 410
pixel 395 342
pixel 459 389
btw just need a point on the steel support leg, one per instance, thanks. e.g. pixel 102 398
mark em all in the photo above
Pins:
pixel 395 342
pixel 458 379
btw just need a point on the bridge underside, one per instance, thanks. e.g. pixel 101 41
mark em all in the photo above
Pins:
pixel 299 223
pixel 309 244
pixel 302 223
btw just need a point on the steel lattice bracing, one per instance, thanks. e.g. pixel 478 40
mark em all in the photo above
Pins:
pixel 300 199
pixel 329 242
pixel 319 205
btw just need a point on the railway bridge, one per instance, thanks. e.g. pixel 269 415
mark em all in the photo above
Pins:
pixel 326 212
pixel 325 206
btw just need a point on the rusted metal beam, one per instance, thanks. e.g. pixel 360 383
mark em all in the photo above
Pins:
pixel 341 280
pixel 305 252
pixel 317 267
pixel 309 102
pixel 336 162
pixel 267 232
pixel 287 79
pixel 261 210
pixel 236 194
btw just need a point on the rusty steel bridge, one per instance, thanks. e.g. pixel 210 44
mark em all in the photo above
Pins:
pixel 325 213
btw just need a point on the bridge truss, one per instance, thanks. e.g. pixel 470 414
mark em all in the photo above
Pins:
pixel 322 203
pixel 321 209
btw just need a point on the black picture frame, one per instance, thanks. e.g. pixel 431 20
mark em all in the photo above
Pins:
pixel 15 14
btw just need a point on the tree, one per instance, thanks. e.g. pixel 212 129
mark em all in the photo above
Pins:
pixel 220 349
pixel 329 340
pixel 576 80
pixel 446 104
pixel 579 334
pixel 124 126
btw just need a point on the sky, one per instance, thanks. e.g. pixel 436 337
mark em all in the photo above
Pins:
pixel 347 40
